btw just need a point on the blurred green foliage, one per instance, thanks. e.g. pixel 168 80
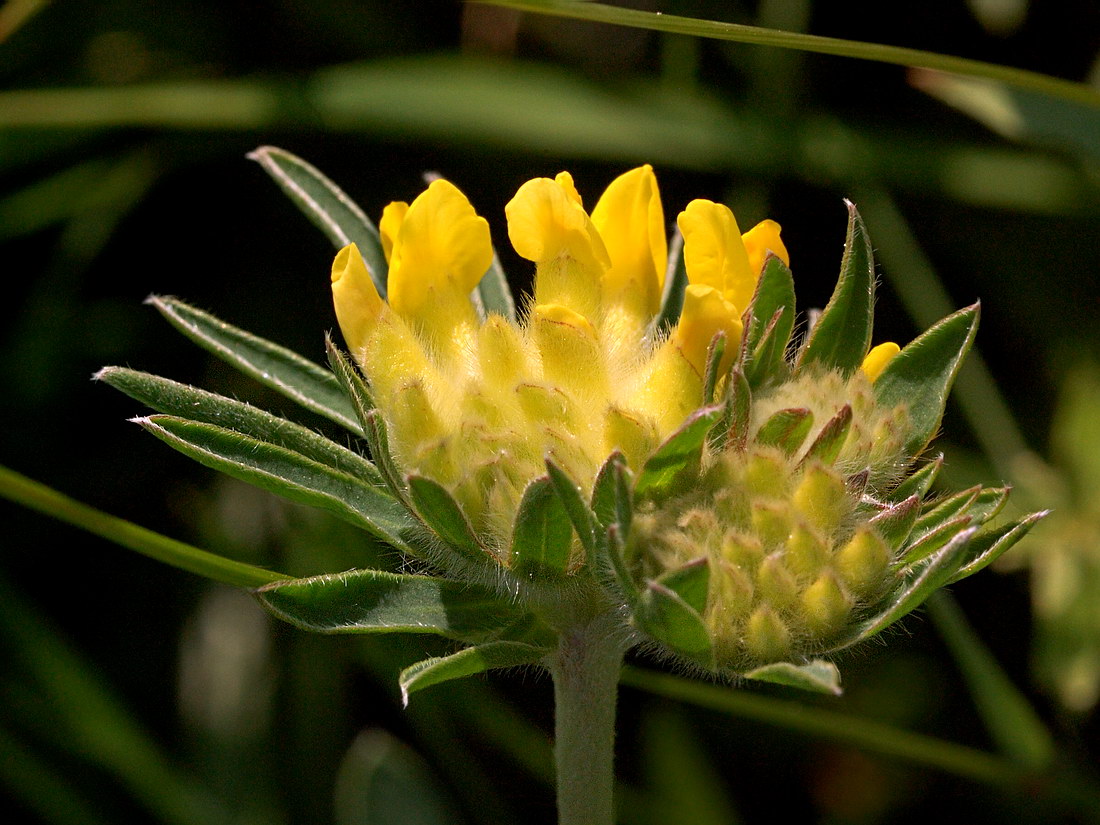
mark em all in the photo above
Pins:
pixel 133 692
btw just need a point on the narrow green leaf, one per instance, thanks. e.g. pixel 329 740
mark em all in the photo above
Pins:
pixel 662 614
pixel 986 547
pixel 672 296
pixel 493 295
pixel 842 335
pixel 988 504
pixel 611 564
pixel 919 482
pixel 818 676
pixel 770 322
pixel 690 583
pixel 187 402
pixel 22 490
pixel 289 474
pixel 928 543
pixel 715 352
pixel 373 601
pixel 912 591
pixel 439 510
pixel 940 511
pixel 570 495
pixel 920 376
pixel 543 535
pixel 786 429
pixel 297 378
pixel 678 457
pixel 355 387
pixel 826 447
pixel 327 206
pixel 467 662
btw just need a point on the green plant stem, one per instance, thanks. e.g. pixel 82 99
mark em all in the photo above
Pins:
pixel 23 490
pixel 586 669
pixel 739 33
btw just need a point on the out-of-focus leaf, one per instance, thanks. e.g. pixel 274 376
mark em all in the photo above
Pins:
pixel 298 378
pixel 373 601
pixel 384 782
pixel 467 662
pixel 289 474
pixel 327 206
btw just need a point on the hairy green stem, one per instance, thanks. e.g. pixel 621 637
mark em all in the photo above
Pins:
pixel 586 669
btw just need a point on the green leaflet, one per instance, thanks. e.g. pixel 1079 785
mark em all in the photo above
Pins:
pixel 297 378
pixel 663 614
pixel 193 404
pixel 920 376
pixel 570 495
pixel 842 335
pixel 543 534
pixel 290 474
pixel 467 662
pixel 770 322
pixel 986 547
pixel 373 601
pixel 327 206
pixel 818 676
pixel 678 456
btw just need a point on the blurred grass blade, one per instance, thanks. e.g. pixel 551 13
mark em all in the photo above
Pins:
pixel 41 498
pixel 327 206
pixel 382 781
pixel 93 723
pixel 288 474
pixel 173 398
pixel 897 55
pixel 373 601
pixel 296 377
pixel 1014 725
pixel 15 13
pixel 467 662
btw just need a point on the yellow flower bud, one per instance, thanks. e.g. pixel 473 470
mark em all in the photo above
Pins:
pixel 355 297
pixel 390 226
pixel 759 241
pixel 862 561
pixel 715 255
pixel 706 313
pixel 766 636
pixel 878 358
pixel 824 605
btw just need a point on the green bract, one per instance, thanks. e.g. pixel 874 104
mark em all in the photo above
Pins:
pixel 785 518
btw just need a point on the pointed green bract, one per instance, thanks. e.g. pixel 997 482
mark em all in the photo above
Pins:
pixel 571 497
pixel 826 447
pixel 939 512
pixel 467 662
pixel 439 510
pixel 934 539
pixel 543 535
pixel 920 376
pixel 732 430
pixel 770 324
pixel 714 360
pixel 350 379
pixel 603 490
pixel 493 296
pixel 987 546
pixel 919 483
pixel 896 523
pixel 277 367
pixel 289 474
pixel 842 335
pixel 193 404
pixel 678 456
pixel 374 601
pixel 666 616
pixel 327 206
pixel 817 676
pixel 786 429
pixel 379 441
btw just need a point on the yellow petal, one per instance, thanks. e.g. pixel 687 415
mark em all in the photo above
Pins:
pixel 390 226
pixel 878 358
pixel 441 252
pixel 565 181
pixel 705 313
pixel 355 297
pixel 762 239
pixel 714 254
pixel 546 222
pixel 631 222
